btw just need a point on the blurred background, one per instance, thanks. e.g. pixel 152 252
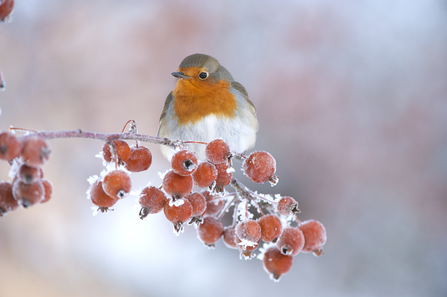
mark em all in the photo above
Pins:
pixel 351 98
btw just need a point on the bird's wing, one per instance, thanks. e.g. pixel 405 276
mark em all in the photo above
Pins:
pixel 243 91
pixel 165 109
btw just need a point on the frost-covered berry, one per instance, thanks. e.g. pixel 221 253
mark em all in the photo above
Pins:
pixel 6 9
pixel 205 174
pixel 140 159
pixel 210 231
pixel 291 241
pixel 176 185
pixel 276 264
pixel 99 197
pixel 178 213
pixel 218 151
pixel 230 238
pixel 184 162
pixel 35 151
pixel 214 204
pixel 29 174
pixel 48 187
pixel 152 200
pixel 7 201
pixel 10 147
pixel 314 236
pixel 260 167
pixel 117 184
pixel 122 151
pixel 249 232
pixel 271 227
pixel 198 203
pixel 287 206
pixel 28 194
pixel 224 176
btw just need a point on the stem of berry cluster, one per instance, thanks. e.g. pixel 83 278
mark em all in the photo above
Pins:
pixel 107 137
pixel 248 194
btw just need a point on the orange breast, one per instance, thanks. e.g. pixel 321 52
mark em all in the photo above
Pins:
pixel 194 100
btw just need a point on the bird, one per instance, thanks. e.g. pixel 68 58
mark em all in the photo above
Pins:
pixel 207 104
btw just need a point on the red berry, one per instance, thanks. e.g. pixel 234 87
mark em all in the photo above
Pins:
pixel 5 10
pixel 178 212
pixel 106 152
pixel 198 203
pixel 287 206
pixel 260 167
pixel 213 203
pixel 230 238
pixel 314 237
pixel 271 227
pixel 7 201
pixel 28 194
pixel 35 151
pixel 276 264
pixel 152 200
pixel 205 175
pixel 249 232
pixel 29 174
pixel 232 241
pixel 48 190
pixel 10 147
pixel 218 151
pixel 117 184
pixel 140 159
pixel 176 185
pixel 184 162
pixel 224 176
pixel 210 231
pixel 291 241
pixel 122 151
pixel 99 197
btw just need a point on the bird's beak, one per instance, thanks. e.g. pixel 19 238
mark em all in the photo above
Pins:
pixel 179 75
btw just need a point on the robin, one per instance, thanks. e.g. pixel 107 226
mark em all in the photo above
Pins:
pixel 207 104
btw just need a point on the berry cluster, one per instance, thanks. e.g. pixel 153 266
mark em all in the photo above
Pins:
pixel 205 207
pixel 192 192
pixel 6 8
pixel 116 184
pixel 28 187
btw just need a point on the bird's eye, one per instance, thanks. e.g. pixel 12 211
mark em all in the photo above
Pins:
pixel 203 75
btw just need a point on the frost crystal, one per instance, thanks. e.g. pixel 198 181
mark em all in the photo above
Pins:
pixel 95 210
pixel 244 243
pixel 176 203
pixel 241 209
pixel 91 180
pixel 162 175
pixel 230 170
pixel 262 250
pixel 100 155
pixel 13 171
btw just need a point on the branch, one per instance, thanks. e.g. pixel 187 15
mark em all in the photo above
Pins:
pixel 104 136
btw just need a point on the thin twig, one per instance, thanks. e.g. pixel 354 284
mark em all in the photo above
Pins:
pixel 253 201
pixel 104 136
pixel 224 210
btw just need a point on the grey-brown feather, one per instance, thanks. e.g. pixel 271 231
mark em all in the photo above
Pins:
pixel 200 60
pixel 243 91
pixel 165 108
